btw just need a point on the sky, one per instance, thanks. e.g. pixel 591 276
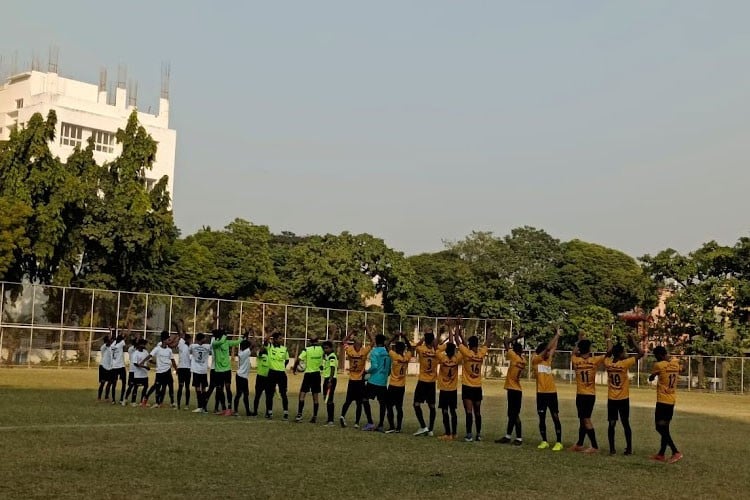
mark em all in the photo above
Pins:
pixel 622 123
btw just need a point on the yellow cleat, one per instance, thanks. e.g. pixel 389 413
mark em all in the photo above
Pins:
pixel 557 447
pixel 543 445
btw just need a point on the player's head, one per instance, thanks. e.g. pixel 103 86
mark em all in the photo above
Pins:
pixel 357 344
pixel 540 348
pixel 517 348
pixel 327 347
pixel 164 335
pixel 141 344
pixel 245 344
pixel 618 352
pixel 218 333
pixel 584 346
pixel 429 338
pixel 200 338
pixel 106 340
pixel 660 353
pixel 450 349
pixel 380 340
pixel 400 347
pixel 119 338
pixel 473 342
pixel 276 339
pixel 314 340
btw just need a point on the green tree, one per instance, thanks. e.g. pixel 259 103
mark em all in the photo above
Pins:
pixel 13 239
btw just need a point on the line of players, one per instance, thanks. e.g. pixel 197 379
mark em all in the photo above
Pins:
pixel 385 379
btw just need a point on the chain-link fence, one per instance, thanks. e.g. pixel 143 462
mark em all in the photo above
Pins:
pixel 49 326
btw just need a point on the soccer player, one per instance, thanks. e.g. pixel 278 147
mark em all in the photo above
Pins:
pixel 618 400
pixel 221 347
pixel 513 389
pixel 449 361
pixel 380 367
pixel 131 369
pixel 105 368
pixel 585 365
pixel 278 358
pixel 471 389
pixel 261 377
pixel 330 376
pixel 200 350
pixel 183 368
pixel 397 382
pixel 241 377
pixel 425 390
pixel 140 371
pixel 667 370
pixel 162 353
pixel 546 392
pixel 118 366
pixel 312 356
pixel 355 390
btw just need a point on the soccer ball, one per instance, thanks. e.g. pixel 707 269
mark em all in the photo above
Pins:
pixel 301 366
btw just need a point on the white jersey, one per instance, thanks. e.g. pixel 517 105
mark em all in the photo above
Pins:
pixel 200 354
pixel 131 350
pixel 118 355
pixel 106 358
pixel 184 352
pixel 138 357
pixel 163 356
pixel 244 368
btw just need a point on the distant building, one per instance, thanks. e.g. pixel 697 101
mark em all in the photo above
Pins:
pixel 85 110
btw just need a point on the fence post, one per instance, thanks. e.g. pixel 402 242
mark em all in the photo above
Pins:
pixel 328 319
pixel 62 321
pixel 714 380
pixel 31 334
pixel 638 372
pixel 195 315
pixel 286 316
pixel 117 315
pixel 570 367
pixel 91 330
pixel 529 365
pixel 690 372
pixel 240 320
pixel 218 311
pixel 346 324
pixel 145 320
pixel 742 370
pixel 383 330
pixel 2 305
pixel 307 316
pixel 169 316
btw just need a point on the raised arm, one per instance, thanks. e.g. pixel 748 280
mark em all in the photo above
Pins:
pixel 370 335
pixel 608 337
pixel 549 351
pixel 635 345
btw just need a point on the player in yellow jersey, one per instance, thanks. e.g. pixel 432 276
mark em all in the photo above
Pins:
pixel 471 389
pixel 618 391
pixel 449 361
pixel 355 390
pixel 667 370
pixel 513 389
pixel 397 381
pixel 585 365
pixel 425 390
pixel 546 392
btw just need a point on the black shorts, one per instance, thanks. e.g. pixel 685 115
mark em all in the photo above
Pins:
pixel 276 378
pixel 183 376
pixel 473 394
pixel 200 380
pixel 131 376
pixel 143 381
pixel 547 401
pixel 515 398
pixel 396 395
pixel 664 412
pixel 618 409
pixel 212 381
pixel 104 374
pixel 378 392
pixel 448 400
pixel 425 393
pixel 311 383
pixel 243 385
pixel 329 390
pixel 585 405
pixel 261 382
pixel 355 391
pixel 164 378
pixel 118 373
pixel 221 378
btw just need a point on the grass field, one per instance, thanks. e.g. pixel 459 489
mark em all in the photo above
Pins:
pixel 56 441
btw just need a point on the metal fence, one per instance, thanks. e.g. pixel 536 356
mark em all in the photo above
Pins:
pixel 49 326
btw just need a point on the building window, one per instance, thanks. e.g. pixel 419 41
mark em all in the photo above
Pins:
pixel 71 135
pixel 104 141
pixel 19 103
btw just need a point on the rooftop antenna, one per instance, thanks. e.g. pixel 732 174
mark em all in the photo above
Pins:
pixel 132 93
pixel 122 75
pixel 53 60
pixel 103 80
pixel 14 64
pixel 36 64
pixel 165 71
pixel 112 95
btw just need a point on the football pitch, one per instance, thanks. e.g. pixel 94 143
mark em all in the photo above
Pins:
pixel 58 442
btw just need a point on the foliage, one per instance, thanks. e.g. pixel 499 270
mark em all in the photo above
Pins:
pixel 13 239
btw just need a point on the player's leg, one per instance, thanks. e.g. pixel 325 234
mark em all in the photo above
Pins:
pixel 304 389
pixel 283 381
pixel 431 407
pixel 589 424
pixel 469 410
pixel 453 407
pixel 228 390
pixel 554 409
pixel 477 418
pixel 270 392
pixel 612 415
pixel 123 376
pixel 389 409
pixel 400 407
pixel 102 382
pixel 541 411
pixel 418 400
pixel 382 405
pixel 316 396
pixel 170 388
pixel 180 386
pixel 625 419
pixel 330 393
pixel 237 394
pixel 580 408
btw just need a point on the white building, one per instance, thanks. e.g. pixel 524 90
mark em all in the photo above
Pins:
pixel 84 110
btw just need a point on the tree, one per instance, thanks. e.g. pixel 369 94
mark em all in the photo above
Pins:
pixel 13 239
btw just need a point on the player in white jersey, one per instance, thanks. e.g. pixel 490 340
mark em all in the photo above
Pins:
pixel 183 370
pixel 105 368
pixel 241 377
pixel 131 367
pixel 200 352
pixel 162 353
pixel 139 373
pixel 118 367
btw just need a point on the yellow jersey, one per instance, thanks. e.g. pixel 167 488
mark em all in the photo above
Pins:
pixel 618 380
pixel 399 368
pixel 471 373
pixel 545 381
pixel 668 373
pixel 448 371
pixel 516 368
pixel 427 363
pixel 585 369
pixel 357 361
